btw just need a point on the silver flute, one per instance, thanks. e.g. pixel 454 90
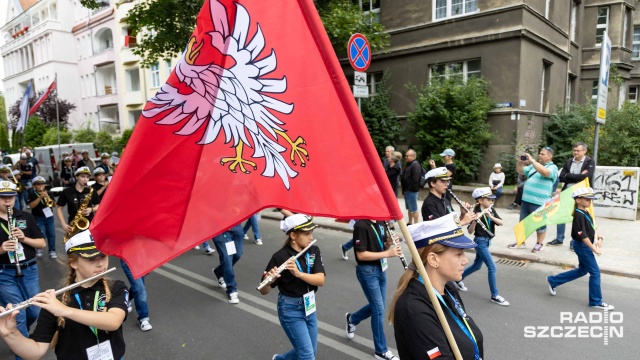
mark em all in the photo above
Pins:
pixel 27 303
pixel 283 267
pixel 396 242
pixel 483 226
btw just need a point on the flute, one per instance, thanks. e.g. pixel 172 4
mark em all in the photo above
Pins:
pixel 14 239
pixel 282 267
pixel 483 226
pixel 27 303
pixel 396 242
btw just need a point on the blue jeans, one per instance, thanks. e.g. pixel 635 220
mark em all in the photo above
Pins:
pixel 253 223
pixel 560 232
pixel 225 269
pixel 18 203
pixel 498 193
pixel 348 245
pixel 301 330
pixel 47 227
pixel 374 285
pixel 138 291
pixel 411 201
pixel 586 265
pixel 15 290
pixel 526 208
pixel 483 256
pixel 25 193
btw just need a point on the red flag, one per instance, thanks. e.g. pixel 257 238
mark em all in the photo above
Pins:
pixel 257 113
pixel 42 98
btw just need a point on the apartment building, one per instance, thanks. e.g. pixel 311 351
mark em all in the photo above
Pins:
pixel 537 55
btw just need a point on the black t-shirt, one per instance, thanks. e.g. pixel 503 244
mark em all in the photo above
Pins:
pixel 434 207
pixel 67 173
pixel 288 284
pixel 97 187
pixel 417 328
pixel 27 166
pixel 582 226
pixel 72 198
pixel 75 338
pixel 27 223
pixel 479 231
pixel 37 211
pixel 367 236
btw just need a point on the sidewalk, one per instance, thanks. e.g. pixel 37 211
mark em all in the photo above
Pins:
pixel 620 256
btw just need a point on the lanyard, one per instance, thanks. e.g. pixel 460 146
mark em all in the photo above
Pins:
pixel 465 328
pixel 378 237
pixel 308 264
pixel 5 228
pixel 587 217
pixel 95 306
pixel 487 221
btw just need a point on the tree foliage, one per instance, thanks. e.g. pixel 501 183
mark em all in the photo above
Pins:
pixel 34 132
pixel 381 121
pixel 84 136
pixel 104 142
pixel 164 26
pixel 452 114
pixel 46 112
pixel 564 128
pixel 51 136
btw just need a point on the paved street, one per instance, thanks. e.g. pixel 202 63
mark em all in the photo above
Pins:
pixel 192 319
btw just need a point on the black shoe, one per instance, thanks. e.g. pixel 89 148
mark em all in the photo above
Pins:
pixel 512 206
pixel 555 242
pixel 571 246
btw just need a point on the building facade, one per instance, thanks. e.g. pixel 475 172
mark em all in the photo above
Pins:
pixel 537 55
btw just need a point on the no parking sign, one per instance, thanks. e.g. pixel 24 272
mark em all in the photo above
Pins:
pixel 359 52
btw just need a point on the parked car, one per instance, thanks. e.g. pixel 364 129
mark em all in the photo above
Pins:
pixel 49 159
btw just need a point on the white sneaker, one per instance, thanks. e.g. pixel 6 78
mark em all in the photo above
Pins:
pixel 552 289
pixel 350 328
pixel 39 253
pixel 461 286
pixel 209 250
pixel 258 241
pixel 130 309
pixel 603 306
pixel 246 237
pixel 197 247
pixel 386 356
pixel 233 298
pixel 345 256
pixel 53 255
pixel 499 300
pixel 145 325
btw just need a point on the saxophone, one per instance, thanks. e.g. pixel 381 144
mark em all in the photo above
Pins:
pixel 79 222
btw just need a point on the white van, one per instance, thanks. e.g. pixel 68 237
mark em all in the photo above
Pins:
pixel 49 159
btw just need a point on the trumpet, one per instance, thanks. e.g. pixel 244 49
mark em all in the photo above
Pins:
pixel 396 242
pixel 483 226
pixel 48 201
pixel 27 303
pixel 282 267
pixel 19 186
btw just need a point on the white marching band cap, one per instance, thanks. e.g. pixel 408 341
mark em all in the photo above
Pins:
pixel 98 170
pixel 16 172
pixel 82 170
pixel 299 222
pixel 438 173
pixel 483 192
pixel 444 230
pixel 39 179
pixel 7 188
pixel 587 193
pixel 82 243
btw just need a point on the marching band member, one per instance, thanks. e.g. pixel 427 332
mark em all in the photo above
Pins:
pixel 101 183
pixel 86 322
pixel 42 204
pixel 297 286
pixel 72 198
pixel 587 240
pixel 13 289
pixel 418 332
pixel 105 164
pixel 16 179
pixel 66 174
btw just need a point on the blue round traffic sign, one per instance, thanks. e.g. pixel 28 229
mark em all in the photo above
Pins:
pixel 359 52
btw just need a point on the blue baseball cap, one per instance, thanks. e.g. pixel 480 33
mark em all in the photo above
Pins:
pixel 448 152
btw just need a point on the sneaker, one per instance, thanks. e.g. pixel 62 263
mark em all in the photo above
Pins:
pixel 537 248
pixel 386 356
pixel 552 289
pixel 461 286
pixel 53 255
pixel 209 250
pixel 246 237
pixel 129 309
pixel 145 325
pixel 197 247
pixel 258 241
pixel 221 283
pixel 39 253
pixel 499 300
pixel 512 206
pixel 516 246
pixel 603 306
pixel 345 256
pixel 274 357
pixel 351 329
pixel 233 298
pixel 571 246
pixel 554 242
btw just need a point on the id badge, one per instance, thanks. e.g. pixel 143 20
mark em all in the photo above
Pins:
pixel 309 302
pixel 231 248
pixel 19 252
pixel 384 264
pixel 47 212
pixel 101 351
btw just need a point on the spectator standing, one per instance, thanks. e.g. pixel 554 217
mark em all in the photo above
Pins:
pixel 393 170
pixel 447 158
pixel 410 182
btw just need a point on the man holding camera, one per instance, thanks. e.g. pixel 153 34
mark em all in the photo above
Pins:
pixel 538 188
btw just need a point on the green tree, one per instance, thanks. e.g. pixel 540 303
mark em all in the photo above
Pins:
pixel 452 114
pixel 381 121
pixel 121 141
pixel 104 142
pixel 565 127
pixel 165 26
pixel 84 136
pixel 46 112
pixel 4 138
pixel 619 139
pixel 34 132
pixel 51 136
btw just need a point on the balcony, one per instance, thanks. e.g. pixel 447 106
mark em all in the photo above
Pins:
pixel 28 36
pixel 108 119
pixel 128 57
pixel 133 98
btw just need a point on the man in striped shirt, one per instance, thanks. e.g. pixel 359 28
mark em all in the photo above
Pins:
pixel 538 188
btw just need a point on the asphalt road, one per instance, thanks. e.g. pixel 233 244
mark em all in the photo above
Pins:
pixel 192 320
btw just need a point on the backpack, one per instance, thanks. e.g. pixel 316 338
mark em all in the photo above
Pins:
pixel 422 181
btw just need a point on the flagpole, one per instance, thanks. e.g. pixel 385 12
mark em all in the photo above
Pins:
pixel 427 284
pixel 58 117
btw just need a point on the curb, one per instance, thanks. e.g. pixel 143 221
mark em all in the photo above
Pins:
pixel 496 252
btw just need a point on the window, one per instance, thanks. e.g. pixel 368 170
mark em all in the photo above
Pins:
pixel 374 80
pixel 155 75
pixel 461 70
pixel 574 20
pixel 570 86
pixel 635 54
pixel 445 9
pixel 370 7
pixel 133 79
pixel 544 92
pixel 602 24
pixel 633 94
pixel 167 63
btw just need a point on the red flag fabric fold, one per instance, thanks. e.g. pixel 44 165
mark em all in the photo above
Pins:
pixel 42 98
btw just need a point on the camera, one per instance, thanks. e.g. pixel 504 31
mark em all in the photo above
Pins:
pixel 523 157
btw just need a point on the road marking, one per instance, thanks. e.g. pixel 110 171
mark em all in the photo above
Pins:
pixel 253 310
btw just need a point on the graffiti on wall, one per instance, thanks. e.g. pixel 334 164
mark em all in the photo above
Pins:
pixel 617 192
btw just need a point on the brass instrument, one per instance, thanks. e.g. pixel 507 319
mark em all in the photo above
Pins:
pixel 19 186
pixel 79 222
pixel 48 201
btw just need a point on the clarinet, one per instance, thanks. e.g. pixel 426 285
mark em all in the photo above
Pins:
pixel 282 267
pixel 483 226
pixel 396 242
pixel 14 239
